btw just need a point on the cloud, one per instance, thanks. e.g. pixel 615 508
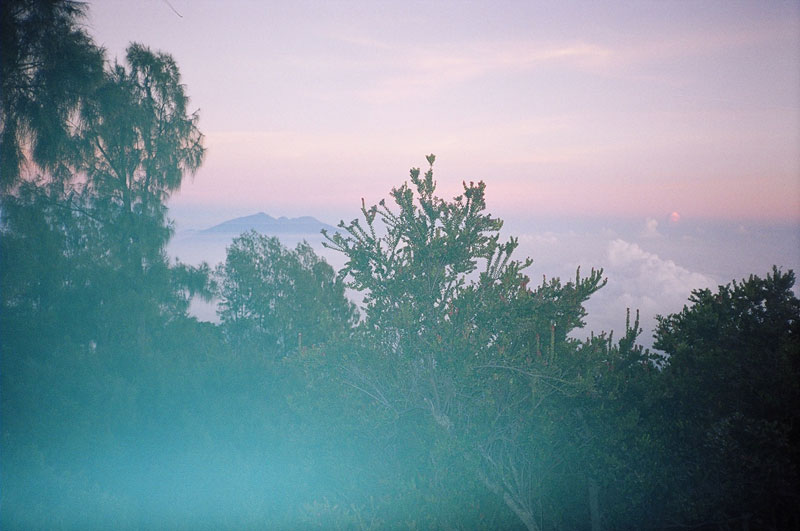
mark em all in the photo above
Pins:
pixel 642 281
pixel 664 279
pixel 422 71
pixel 650 229
pixel 538 239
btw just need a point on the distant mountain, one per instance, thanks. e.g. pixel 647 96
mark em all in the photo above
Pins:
pixel 266 224
pixel 209 245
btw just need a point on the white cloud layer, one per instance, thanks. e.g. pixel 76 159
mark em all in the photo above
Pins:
pixel 641 280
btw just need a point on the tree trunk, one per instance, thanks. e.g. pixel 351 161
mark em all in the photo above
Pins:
pixel 522 514
pixel 594 504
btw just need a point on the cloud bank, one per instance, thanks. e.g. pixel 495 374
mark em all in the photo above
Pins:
pixel 642 281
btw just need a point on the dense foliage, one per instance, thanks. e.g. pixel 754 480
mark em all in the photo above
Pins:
pixel 732 383
pixel 464 350
pixel 457 398
pixel 274 297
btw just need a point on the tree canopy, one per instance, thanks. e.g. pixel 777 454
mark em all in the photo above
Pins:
pixel 49 65
pixel 480 353
pixel 732 383
pixel 279 299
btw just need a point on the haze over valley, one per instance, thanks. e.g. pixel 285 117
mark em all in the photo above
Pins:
pixel 651 265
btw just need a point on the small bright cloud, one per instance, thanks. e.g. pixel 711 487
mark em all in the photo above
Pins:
pixel 650 228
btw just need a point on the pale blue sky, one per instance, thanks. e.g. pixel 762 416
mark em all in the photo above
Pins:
pixel 632 109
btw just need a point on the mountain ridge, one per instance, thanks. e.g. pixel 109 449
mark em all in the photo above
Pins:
pixel 266 224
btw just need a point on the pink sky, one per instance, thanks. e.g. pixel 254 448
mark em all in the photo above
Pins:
pixel 564 108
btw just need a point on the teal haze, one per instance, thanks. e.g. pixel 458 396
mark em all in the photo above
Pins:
pixel 238 289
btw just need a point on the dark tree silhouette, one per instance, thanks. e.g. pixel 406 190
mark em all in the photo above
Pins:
pixel 48 67
pixel 731 405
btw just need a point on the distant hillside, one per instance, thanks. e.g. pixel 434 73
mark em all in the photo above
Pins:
pixel 268 225
pixel 209 245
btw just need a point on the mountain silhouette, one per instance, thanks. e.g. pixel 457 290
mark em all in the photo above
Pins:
pixel 266 224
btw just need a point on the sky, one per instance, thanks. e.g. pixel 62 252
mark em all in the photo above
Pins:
pixel 658 140
pixel 627 109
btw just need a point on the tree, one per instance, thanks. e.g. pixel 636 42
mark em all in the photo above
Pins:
pixel 48 66
pixel 131 140
pixel 138 141
pixel 476 353
pixel 412 277
pixel 277 300
pixel 730 403
pixel 138 138
pixel 609 434
pixel 89 298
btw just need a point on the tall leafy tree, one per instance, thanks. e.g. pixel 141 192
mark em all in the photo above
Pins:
pixel 411 278
pixel 606 428
pixel 88 294
pixel 138 142
pixel 48 67
pixel 111 146
pixel 139 137
pixel 473 350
